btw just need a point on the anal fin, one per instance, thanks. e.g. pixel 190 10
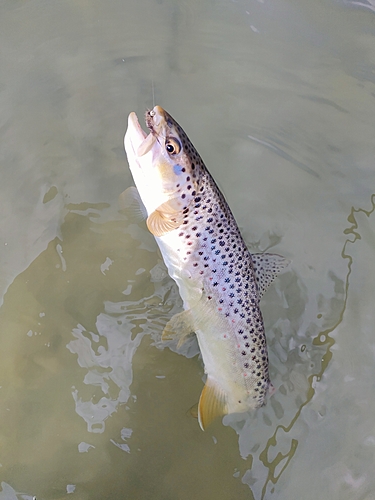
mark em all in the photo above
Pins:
pixel 212 404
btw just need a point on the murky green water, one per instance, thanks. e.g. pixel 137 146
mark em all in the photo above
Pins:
pixel 279 99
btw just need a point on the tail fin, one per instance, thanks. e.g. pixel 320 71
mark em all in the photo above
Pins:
pixel 212 404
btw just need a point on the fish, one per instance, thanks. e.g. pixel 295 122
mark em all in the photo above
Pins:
pixel 219 280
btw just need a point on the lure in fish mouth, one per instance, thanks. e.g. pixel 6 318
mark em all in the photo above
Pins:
pixel 219 281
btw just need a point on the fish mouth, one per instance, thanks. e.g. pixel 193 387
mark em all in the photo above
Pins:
pixel 136 142
pixel 136 139
pixel 134 135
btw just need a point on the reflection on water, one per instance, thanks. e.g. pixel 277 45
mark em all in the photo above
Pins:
pixel 279 100
pixel 96 293
pixel 366 4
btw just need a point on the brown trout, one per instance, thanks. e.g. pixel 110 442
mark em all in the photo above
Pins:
pixel 219 281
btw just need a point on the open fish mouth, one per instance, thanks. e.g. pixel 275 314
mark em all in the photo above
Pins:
pixel 140 143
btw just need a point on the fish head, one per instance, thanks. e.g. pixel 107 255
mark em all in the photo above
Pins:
pixel 164 164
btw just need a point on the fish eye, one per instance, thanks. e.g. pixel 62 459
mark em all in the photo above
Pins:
pixel 172 146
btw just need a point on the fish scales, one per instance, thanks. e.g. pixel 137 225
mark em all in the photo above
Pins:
pixel 219 281
pixel 220 258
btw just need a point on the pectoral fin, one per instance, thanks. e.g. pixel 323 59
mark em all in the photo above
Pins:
pixel 166 217
pixel 131 204
pixel 180 326
pixel 212 404
pixel 267 266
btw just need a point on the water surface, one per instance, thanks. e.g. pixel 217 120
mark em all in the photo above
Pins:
pixel 279 99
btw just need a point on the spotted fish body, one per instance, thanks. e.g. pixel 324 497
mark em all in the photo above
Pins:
pixel 219 281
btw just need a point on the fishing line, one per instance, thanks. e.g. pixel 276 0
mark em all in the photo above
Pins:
pixel 153 92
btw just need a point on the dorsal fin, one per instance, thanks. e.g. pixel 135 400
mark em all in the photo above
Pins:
pixel 167 217
pixel 266 267
pixel 212 404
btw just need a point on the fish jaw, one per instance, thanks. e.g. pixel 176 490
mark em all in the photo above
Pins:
pixel 136 142
pixel 144 153
pixel 134 136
